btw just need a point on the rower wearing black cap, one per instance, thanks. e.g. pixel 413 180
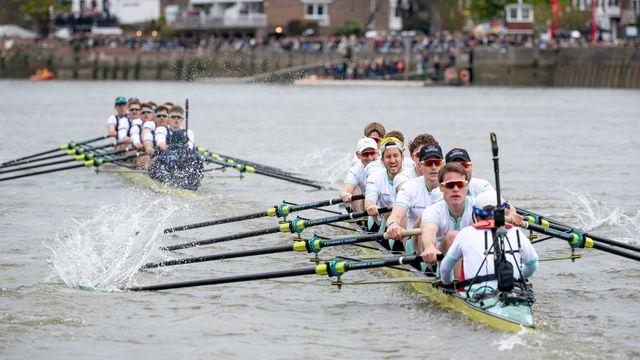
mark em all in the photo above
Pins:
pixel 475 186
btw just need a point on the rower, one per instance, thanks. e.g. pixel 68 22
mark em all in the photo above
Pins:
pixel 355 180
pixel 377 165
pixel 474 245
pixel 154 132
pixel 121 112
pixel 176 119
pixel 169 105
pixel 412 172
pixel 417 194
pixel 146 120
pixel 134 107
pixel 379 188
pixel 441 221
pixel 373 130
pixel 476 186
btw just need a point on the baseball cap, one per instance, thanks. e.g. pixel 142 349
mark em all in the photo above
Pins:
pixel 457 153
pixel 430 150
pixel 366 143
pixel 121 100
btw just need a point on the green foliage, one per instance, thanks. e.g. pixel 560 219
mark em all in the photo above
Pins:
pixel 297 27
pixel 349 27
pixel 38 11
pixel 488 10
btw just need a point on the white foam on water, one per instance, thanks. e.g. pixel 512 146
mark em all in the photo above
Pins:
pixel 592 212
pixel 106 249
pixel 510 341
pixel 332 170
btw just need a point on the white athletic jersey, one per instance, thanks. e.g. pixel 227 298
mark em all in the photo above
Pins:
pixel 469 245
pixel 477 186
pixel 380 189
pixel 439 214
pixel 150 124
pixel 160 136
pixel 415 197
pixel 356 176
pixel 113 120
pixel 407 173
pixel 123 128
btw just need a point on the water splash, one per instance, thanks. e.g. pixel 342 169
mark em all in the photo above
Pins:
pixel 106 249
pixel 332 170
pixel 592 212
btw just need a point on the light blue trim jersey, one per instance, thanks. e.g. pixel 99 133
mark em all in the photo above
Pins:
pixel 380 189
pixel 415 197
pixel 440 215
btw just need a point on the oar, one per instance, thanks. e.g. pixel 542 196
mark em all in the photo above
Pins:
pixel 294 226
pixel 83 157
pixel 250 169
pixel 335 268
pixel 78 150
pixel 578 240
pixel 313 245
pixel 281 210
pixel 248 163
pixel 68 146
pixel 96 162
pixel 544 221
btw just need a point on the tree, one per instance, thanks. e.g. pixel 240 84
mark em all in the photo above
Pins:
pixel 421 15
pixel 39 12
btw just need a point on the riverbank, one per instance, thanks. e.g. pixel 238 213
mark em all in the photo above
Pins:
pixel 514 66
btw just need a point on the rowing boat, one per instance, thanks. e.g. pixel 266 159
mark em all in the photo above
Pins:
pixel 511 315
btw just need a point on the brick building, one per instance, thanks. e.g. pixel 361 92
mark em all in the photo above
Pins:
pixel 262 17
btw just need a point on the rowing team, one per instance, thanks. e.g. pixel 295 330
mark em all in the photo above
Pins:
pixel 436 193
pixel 148 127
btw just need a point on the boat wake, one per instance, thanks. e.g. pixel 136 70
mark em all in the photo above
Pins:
pixel 592 213
pixel 106 249
pixel 332 170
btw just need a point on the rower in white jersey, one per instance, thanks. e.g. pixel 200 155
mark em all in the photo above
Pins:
pixel 355 181
pixel 474 245
pixel 417 194
pixel 176 119
pixel 412 172
pixel 379 189
pixel 121 113
pixel 377 165
pixel 146 116
pixel 476 186
pixel 375 131
pixel 156 139
pixel 441 221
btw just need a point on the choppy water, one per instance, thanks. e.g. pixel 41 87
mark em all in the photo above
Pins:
pixel 568 153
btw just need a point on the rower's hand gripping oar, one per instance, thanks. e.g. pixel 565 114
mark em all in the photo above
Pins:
pixel 294 226
pixel 313 245
pixel 280 211
pixel 68 146
pixel 335 268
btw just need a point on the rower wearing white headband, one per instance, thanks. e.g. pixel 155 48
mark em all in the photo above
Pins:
pixel 379 189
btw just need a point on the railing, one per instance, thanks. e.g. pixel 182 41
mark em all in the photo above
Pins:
pixel 220 22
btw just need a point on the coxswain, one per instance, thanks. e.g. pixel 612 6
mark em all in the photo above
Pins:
pixel 412 172
pixel 379 188
pixel 355 181
pixel 121 112
pixel 474 246
pixel 476 186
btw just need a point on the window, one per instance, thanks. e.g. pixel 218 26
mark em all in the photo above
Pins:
pixel 310 8
pixel 513 14
pixel 526 14
pixel 635 5
pixel 317 11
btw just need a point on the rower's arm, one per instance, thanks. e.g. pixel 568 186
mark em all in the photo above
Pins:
pixel 394 222
pixel 428 236
pixel 346 192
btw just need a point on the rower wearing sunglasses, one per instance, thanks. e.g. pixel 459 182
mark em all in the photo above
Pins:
pixel 442 221
pixel 373 130
pixel 476 186
pixel 154 135
pixel 176 119
pixel 412 172
pixel 417 194
pixel 355 180
pixel 379 189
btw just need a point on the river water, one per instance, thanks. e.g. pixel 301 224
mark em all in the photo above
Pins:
pixel 567 153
